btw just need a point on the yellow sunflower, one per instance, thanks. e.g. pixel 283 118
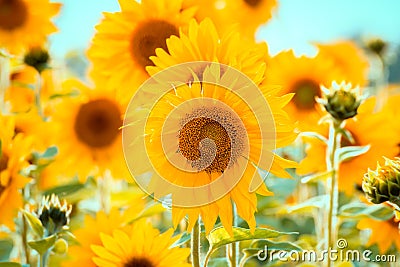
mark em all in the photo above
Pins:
pixel 302 76
pixel 125 40
pixel 24 82
pixel 383 141
pixel 88 134
pixel 228 49
pixel 90 233
pixel 383 233
pixel 25 23
pixel 213 136
pixel 142 246
pixel 14 151
pixel 248 15
pixel 349 58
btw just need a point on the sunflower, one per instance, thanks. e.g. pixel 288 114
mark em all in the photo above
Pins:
pixel 14 151
pixel 228 49
pixel 24 82
pixel 142 246
pixel 210 135
pixel 88 134
pixel 25 23
pixel 302 76
pixel 383 141
pixel 89 235
pixel 383 233
pixel 248 15
pixel 349 58
pixel 125 40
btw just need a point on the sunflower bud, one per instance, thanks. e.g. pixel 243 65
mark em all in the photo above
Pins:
pixel 60 247
pixel 53 214
pixel 377 46
pixel 383 184
pixel 37 58
pixel 341 101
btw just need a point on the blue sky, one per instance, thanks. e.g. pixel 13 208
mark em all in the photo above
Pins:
pixel 294 25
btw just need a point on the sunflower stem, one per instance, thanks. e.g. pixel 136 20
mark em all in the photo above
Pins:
pixel 195 244
pixel 4 79
pixel 332 185
pixel 38 92
pixel 43 259
pixel 232 249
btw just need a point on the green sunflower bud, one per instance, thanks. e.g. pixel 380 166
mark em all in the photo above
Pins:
pixel 341 101
pixel 383 184
pixel 53 214
pixel 60 247
pixel 377 46
pixel 37 58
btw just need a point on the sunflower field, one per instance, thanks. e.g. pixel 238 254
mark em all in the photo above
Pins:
pixel 183 135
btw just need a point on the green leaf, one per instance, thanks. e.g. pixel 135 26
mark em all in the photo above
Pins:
pixel 152 209
pixel 185 237
pixel 6 246
pixel 218 262
pixel 287 246
pixel 349 152
pixel 309 204
pixel 34 222
pixel 73 192
pixel 316 136
pixel 10 264
pixel 361 210
pixel 220 237
pixel 317 177
pixel 41 246
pixel 50 152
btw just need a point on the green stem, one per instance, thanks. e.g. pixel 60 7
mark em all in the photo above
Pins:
pixel 232 249
pixel 4 79
pixel 195 244
pixel 38 100
pixel 25 240
pixel 333 188
pixel 43 259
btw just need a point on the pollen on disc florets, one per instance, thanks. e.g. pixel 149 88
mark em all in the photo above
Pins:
pixel 211 139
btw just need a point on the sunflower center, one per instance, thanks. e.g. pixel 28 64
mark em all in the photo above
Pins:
pixel 305 93
pixel 139 262
pixel 205 142
pixel 148 36
pixel 252 3
pixel 97 123
pixel 13 14
pixel 211 138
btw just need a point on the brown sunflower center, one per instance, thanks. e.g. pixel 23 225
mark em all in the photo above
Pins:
pixel 253 3
pixel 305 93
pixel 148 36
pixel 205 142
pixel 139 262
pixel 97 123
pixel 13 14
